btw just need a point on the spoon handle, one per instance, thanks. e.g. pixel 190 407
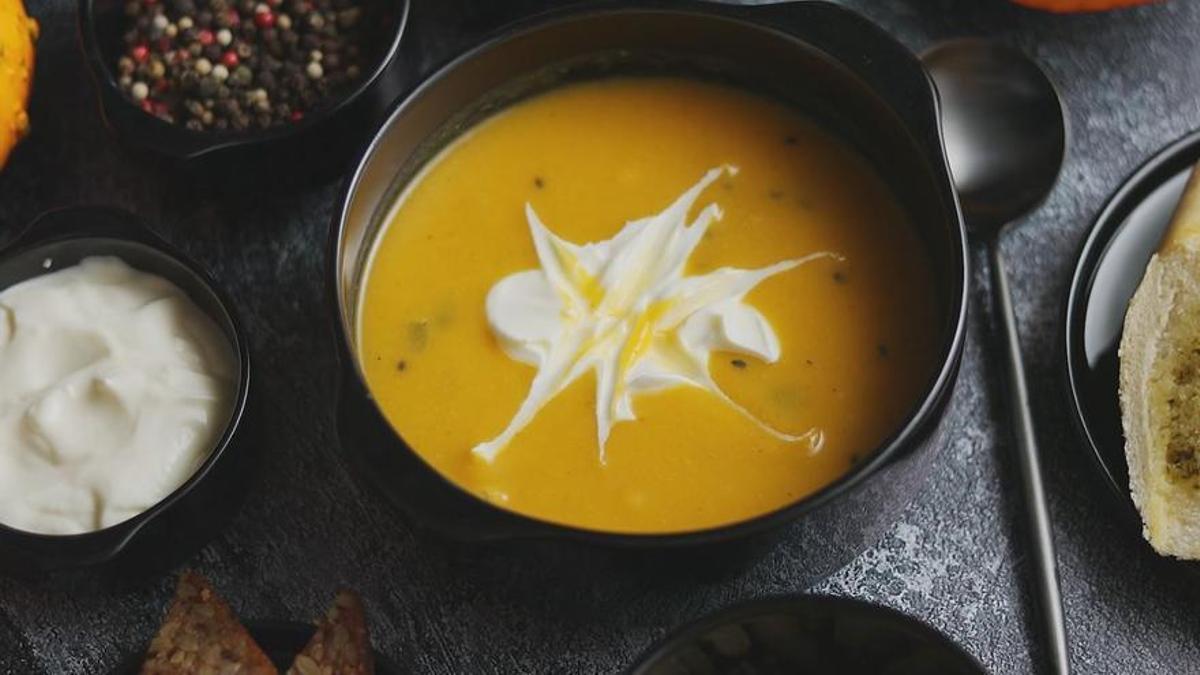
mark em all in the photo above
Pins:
pixel 1029 463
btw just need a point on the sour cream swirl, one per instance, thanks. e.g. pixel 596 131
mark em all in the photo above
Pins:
pixel 625 309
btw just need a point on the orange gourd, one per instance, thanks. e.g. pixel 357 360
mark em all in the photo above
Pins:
pixel 1069 6
pixel 17 34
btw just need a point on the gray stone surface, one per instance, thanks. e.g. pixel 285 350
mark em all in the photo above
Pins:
pixel 954 557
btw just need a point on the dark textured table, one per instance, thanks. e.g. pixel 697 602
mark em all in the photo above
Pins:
pixel 954 557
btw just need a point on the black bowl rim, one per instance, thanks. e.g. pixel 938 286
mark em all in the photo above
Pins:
pixel 124 532
pixel 266 633
pixel 1129 194
pixel 782 603
pixel 925 406
pixel 190 145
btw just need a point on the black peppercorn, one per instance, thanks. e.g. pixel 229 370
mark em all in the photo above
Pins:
pixel 208 87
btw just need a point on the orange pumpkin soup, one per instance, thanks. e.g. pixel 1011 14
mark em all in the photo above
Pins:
pixel 646 305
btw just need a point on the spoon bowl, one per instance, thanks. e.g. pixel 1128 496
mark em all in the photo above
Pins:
pixel 1004 128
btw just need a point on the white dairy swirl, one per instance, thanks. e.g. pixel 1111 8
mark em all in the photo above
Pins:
pixel 114 387
pixel 624 309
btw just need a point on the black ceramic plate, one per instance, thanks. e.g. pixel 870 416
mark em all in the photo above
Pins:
pixel 281 640
pixel 807 634
pixel 1111 264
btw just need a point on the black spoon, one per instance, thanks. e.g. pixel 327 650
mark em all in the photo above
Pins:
pixel 1005 137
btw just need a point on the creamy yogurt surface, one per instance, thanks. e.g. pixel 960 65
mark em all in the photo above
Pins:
pixel 114 387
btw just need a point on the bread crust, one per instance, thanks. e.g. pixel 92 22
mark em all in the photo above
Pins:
pixel 1145 319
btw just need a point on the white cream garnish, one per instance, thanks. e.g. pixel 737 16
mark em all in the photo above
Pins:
pixel 624 309
pixel 114 387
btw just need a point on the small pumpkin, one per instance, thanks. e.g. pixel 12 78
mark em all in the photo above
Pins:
pixel 1070 6
pixel 17 34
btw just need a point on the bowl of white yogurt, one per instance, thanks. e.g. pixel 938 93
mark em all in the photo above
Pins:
pixel 123 381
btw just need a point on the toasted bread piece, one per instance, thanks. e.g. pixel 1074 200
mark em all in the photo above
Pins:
pixel 202 635
pixel 1160 387
pixel 341 645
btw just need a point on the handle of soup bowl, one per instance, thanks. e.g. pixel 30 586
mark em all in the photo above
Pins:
pixel 868 50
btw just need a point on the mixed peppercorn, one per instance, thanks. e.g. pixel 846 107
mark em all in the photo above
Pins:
pixel 241 65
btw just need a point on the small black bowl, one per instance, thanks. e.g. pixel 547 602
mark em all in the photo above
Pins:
pixel 194 512
pixel 1111 263
pixel 806 634
pixel 313 150
pixel 281 640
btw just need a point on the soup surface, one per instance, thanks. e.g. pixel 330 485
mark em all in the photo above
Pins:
pixel 856 324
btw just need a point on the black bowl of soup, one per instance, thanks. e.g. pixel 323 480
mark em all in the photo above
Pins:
pixel 656 274
pixel 127 385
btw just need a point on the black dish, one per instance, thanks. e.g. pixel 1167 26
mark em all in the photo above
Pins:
pixel 315 149
pixel 194 512
pixel 806 634
pixel 828 61
pixel 281 640
pixel 1111 264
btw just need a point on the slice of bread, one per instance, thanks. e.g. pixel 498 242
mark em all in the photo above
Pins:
pixel 201 634
pixel 341 645
pixel 1160 386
